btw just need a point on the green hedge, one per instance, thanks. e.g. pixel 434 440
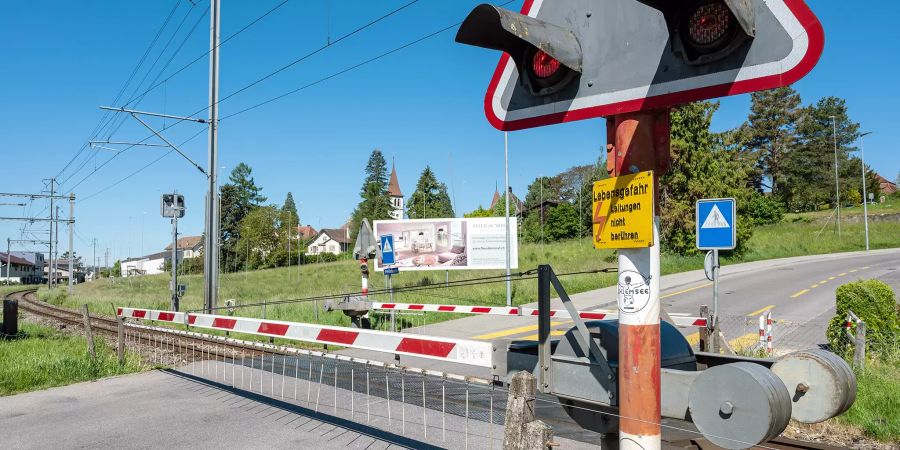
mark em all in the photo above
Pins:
pixel 872 301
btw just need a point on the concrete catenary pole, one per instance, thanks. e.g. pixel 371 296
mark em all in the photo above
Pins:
pixel 211 238
pixel 640 141
pixel 8 261
pixel 52 246
pixel 71 288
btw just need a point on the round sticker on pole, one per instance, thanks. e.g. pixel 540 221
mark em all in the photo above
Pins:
pixel 633 292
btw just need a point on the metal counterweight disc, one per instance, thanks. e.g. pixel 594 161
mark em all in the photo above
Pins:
pixel 739 405
pixel 821 384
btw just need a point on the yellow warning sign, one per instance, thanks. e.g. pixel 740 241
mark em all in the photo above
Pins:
pixel 623 211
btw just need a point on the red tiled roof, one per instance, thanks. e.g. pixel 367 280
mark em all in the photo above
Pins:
pixel 187 242
pixel 306 231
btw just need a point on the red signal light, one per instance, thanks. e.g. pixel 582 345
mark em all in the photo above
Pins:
pixel 544 65
pixel 709 23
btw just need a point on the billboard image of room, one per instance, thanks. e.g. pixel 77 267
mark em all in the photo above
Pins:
pixel 449 244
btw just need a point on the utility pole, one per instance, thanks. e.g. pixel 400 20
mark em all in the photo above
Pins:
pixel 506 196
pixel 71 288
pixel 106 263
pixel 211 241
pixel 94 260
pixel 862 162
pixel 837 187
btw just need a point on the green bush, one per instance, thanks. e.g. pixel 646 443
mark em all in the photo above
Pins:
pixel 764 209
pixel 873 302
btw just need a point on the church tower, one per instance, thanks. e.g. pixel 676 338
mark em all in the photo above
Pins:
pixel 395 194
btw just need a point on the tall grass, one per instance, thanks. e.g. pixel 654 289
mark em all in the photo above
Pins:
pixel 877 402
pixel 42 357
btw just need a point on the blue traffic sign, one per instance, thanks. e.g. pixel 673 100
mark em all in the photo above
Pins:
pixel 716 228
pixel 391 270
pixel 387 249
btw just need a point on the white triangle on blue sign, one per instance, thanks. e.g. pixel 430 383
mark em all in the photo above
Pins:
pixel 387 247
pixel 715 219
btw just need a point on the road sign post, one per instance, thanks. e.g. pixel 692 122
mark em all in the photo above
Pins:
pixel 387 258
pixel 630 61
pixel 716 224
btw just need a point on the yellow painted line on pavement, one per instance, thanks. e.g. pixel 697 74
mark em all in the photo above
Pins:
pixel 744 342
pixel 852 270
pixel 814 286
pixel 864 268
pixel 823 281
pixel 842 274
pixel 686 290
pixel 831 278
pixel 534 337
pixel 518 330
pixel 760 311
pixel 799 293
pixel 693 338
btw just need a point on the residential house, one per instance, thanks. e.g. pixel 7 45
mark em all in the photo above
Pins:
pixel 516 206
pixel 15 268
pixel 61 274
pixel 305 232
pixel 187 247
pixel 330 240
pixel 887 187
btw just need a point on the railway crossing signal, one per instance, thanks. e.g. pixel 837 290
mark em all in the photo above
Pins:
pixel 577 59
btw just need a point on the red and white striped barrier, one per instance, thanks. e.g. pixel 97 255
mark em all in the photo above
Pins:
pixel 765 331
pixel 680 320
pixel 461 351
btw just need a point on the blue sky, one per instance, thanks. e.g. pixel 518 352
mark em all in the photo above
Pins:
pixel 421 105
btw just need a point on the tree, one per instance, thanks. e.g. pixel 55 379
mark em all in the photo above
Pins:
pixel 562 222
pixel 289 209
pixel 771 132
pixel 260 237
pixel 117 269
pixel 237 199
pixel 430 198
pixel 701 168
pixel 375 203
pixel 585 203
pixel 479 212
pixel 810 165
pixel 76 261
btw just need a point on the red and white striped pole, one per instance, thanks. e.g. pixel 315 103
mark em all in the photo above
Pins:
pixel 640 141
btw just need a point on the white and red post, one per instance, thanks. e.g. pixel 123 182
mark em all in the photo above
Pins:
pixel 639 142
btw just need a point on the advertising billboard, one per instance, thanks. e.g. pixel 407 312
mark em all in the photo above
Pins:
pixel 449 244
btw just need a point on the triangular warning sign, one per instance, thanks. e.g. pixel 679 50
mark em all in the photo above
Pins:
pixel 387 247
pixel 715 219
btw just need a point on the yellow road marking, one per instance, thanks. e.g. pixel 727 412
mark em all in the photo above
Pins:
pixel 799 293
pixel 864 268
pixel 823 281
pixel 693 338
pixel 534 337
pixel 511 331
pixel 686 290
pixel 852 270
pixel 831 278
pixel 744 342
pixel 760 311
pixel 814 286
pixel 842 274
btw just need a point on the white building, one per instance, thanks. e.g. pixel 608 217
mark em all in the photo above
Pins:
pixel 396 195
pixel 144 265
pixel 188 247
pixel 330 240
pixel 24 268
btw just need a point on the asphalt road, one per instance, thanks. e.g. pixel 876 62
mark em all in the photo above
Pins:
pixel 799 292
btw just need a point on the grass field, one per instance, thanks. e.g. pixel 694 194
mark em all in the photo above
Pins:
pixel 789 238
pixel 877 402
pixel 42 358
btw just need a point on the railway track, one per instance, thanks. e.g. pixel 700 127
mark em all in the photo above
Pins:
pixel 193 347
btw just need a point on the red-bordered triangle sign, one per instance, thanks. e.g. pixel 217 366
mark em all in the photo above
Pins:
pixel 635 68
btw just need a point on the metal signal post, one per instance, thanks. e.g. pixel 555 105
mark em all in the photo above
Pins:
pixel 211 234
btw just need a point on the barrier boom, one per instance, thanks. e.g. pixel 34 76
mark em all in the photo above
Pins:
pixel 474 353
